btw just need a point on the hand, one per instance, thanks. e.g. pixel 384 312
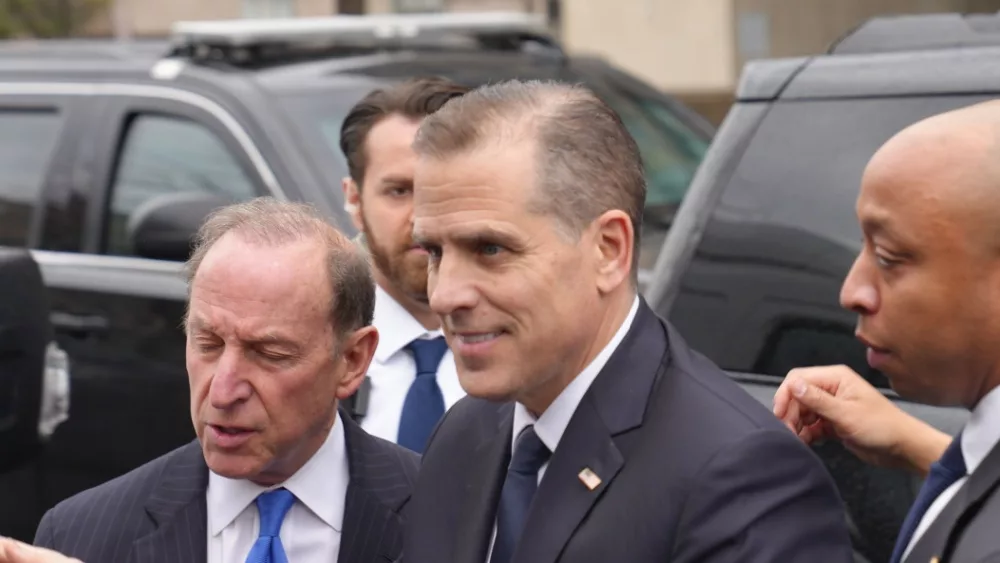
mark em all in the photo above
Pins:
pixel 13 551
pixel 835 402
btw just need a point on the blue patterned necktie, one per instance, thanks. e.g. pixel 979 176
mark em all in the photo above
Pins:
pixel 943 473
pixel 530 455
pixel 424 404
pixel 272 507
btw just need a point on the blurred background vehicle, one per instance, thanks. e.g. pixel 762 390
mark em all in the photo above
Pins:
pixel 114 152
pixel 751 271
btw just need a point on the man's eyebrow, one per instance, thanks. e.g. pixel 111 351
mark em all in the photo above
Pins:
pixel 487 233
pixel 393 180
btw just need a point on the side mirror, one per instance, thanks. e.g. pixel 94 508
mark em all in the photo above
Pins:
pixel 163 227
pixel 25 335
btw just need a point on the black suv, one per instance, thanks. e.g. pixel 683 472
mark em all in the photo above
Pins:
pixel 752 268
pixel 111 154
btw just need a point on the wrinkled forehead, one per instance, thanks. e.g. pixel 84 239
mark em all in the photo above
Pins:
pixel 482 185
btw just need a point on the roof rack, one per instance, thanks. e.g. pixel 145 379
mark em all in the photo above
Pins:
pixel 920 32
pixel 252 41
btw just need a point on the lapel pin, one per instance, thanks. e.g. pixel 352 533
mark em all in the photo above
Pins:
pixel 589 478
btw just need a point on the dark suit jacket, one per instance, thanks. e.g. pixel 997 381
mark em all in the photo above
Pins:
pixel 968 528
pixel 692 469
pixel 157 512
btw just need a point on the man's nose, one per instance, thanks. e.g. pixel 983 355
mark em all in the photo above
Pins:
pixel 229 385
pixel 450 286
pixel 859 292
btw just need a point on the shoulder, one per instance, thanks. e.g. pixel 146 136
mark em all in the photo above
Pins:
pixel 712 394
pixel 117 504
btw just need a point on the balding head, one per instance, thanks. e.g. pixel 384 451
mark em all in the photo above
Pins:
pixel 927 282
pixel 950 161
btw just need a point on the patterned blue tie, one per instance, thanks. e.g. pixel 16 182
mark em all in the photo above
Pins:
pixel 272 507
pixel 943 473
pixel 530 455
pixel 424 404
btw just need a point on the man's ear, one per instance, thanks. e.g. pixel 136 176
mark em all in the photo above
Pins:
pixel 356 351
pixel 614 237
pixel 352 200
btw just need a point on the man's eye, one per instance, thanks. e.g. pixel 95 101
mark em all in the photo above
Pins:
pixel 885 262
pixel 490 249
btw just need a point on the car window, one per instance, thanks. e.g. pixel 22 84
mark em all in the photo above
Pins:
pixel 27 140
pixel 762 292
pixel 164 155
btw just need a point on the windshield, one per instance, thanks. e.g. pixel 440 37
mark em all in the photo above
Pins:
pixel 671 150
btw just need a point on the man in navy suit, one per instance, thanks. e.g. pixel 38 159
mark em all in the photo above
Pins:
pixel 278 330
pixel 592 432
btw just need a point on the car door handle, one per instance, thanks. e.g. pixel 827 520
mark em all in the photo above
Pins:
pixel 79 323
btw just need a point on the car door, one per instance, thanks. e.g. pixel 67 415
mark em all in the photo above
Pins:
pixel 117 315
pixel 36 155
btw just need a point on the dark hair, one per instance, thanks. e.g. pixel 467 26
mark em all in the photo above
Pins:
pixel 267 221
pixel 415 98
pixel 588 161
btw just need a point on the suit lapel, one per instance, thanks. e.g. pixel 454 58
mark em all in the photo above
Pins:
pixel 487 471
pixel 178 510
pixel 379 486
pixel 614 405
pixel 941 536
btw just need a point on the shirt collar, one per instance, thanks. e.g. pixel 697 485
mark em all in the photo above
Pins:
pixel 982 432
pixel 552 424
pixel 396 326
pixel 320 484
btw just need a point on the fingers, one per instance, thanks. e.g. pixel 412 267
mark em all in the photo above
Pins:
pixel 13 551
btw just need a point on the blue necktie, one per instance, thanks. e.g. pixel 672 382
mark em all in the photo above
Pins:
pixel 518 490
pixel 943 473
pixel 424 404
pixel 272 507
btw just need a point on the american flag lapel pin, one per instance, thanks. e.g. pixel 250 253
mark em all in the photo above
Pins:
pixel 589 478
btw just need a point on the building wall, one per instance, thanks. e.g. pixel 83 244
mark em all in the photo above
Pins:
pixel 682 46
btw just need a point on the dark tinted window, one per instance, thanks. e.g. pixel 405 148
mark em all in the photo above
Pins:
pixel 762 293
pixel 27 139
pixel 168 155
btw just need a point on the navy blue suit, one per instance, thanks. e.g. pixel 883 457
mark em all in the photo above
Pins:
pixel 692 469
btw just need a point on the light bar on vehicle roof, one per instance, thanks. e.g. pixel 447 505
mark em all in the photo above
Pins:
pixel 393 26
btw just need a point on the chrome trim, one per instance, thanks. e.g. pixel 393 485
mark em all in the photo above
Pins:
pixel 120 275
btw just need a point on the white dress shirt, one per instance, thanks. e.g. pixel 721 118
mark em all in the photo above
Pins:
pixel 393 369
pixel 979 436
pixel 310 532
pixel 551 426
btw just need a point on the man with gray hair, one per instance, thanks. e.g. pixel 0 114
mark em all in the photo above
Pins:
pixel 591 433
pixel 278 331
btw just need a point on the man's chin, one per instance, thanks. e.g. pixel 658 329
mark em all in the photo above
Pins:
pixel 231 465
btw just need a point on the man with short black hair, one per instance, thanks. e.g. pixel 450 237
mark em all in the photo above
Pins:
pixel 412 380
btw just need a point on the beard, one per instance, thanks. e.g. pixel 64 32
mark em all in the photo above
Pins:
pixel 405 270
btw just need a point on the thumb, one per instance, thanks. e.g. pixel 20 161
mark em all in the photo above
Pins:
pixel 816 399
